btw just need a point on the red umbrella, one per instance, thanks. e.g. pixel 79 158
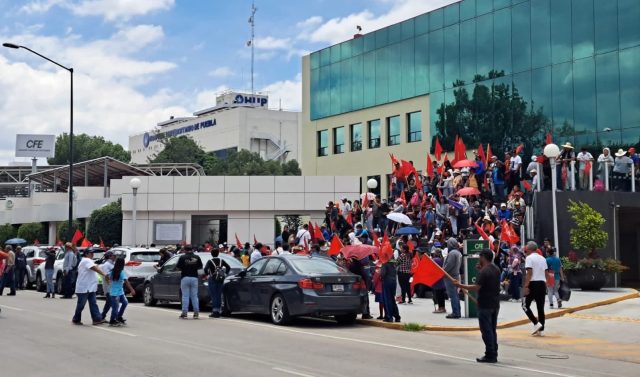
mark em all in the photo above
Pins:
pixel 465 164
pixel 359 251
pixel 468 191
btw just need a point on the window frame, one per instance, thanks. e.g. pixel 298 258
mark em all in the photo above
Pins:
pixel 410 132
pixel 395 138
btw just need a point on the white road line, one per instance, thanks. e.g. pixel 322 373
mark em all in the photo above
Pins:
pixel 12 308
pixel 114 331
pixel 292 372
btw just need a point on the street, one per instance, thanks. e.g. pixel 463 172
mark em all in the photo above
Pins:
pixel 40 340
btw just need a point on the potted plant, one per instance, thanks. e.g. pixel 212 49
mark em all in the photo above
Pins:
pixel 589 272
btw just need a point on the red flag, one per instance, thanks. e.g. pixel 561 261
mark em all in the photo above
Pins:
pixel 318 233
pixel 481 232
pixel 336 245
pixel 255 241
pixel 508 234
pixel 36 242
pixel 77 236
pixel 526 185
pixel 437 151
pixel 350 218
pixel 386 253
pixel 587 168
pixel 85 243
pixel 376 240
pixel 480 153
pixel 427 272
pixel 403 197
pixel 394 160
pixel 365 201
pixel 461 150
pixel 429 166
pixel 101 243
pixel 312 231
pixel 456 152
pixel 519 148
pixel 407 168
pixel 489 154
pixel 548 139
pixel 238 243
pixel 306 246
pixel 411 246
pixel 385 239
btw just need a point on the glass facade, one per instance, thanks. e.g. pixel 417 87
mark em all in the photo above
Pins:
pixel 498 71
pixel 414 127
pixel 323 143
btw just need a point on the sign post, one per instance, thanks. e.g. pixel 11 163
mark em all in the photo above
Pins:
pixel 471 258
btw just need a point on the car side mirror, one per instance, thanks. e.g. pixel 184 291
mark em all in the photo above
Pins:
pixel 242 273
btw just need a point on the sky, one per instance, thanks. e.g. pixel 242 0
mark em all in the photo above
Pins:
pixel 138 62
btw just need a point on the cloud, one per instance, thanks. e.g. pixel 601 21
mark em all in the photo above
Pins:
pixel 287 92
pixel 110 10
pixel 309 22
pixel 222 72
pixel 271 43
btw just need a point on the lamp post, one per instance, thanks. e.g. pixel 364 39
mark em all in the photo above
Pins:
pixel 135 184
pixel 372 184
pixel 551 151
pixel 70 70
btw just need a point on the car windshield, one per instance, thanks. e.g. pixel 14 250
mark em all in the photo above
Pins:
pixel 316 266
pixel 231 261
pixel 145 256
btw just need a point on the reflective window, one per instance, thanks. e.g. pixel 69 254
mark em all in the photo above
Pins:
pixel 502 40
pixel 325 56
pixel 323 143
pixel 408 28
pixel 483 6
pixel 407 65
pixel 395 34
pixel 541 24
pixel 422 24
pixel 436 19
pixel 628 25
pixel 422 64
pixel 357 46
pixel 468 51
pixel 521 37
pixel 374 133
pixel 541 91
pixel 436 58
pixel 631 136
pixel 606 26
pixel 436 104
pixel 335 53
pixel 369 41
pixel 452 14
pixel 356 137
pixel 562 93
pixel 315 60
pixel 382 37
pixel 467 9
pixel 357 82
pixel 395 73
pixel 369 79
pixel 345 50
pixel 484 40
pixel 344 88
pixel 497 4
pixel 451 55
pixel 561 45
pixel 393 130
pixel 607 83
pixel 382 76
pixel 582 21
pixel 584 89
pixel 414 127
pixel 630 86
pixel 338 140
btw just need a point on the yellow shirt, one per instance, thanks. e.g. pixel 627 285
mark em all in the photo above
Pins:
pixel 245 260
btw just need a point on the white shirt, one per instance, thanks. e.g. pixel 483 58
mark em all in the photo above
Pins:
pixel 255 255
pixel 516 161
pixel 87 280
pixel 583 157
pixel 347 209
pixel 303 234
pixel 106 267
pixel 538 266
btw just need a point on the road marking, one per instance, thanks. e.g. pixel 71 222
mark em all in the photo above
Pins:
pixel 292 372
pixel 114 331
pixel 603 318
pixel 13 308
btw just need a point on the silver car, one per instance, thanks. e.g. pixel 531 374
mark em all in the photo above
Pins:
pixel 40 278
pixel 139 263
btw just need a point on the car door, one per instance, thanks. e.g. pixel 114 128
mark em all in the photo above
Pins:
pixel 263 285
pixel 247 297
pixel 163 281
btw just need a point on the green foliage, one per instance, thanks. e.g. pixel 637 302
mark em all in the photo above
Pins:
pixel 85 148
pixel 183 149
pixel 588 234
pixel 606 265
pixel 293 221
pixel 278 230
pixel 62 230
pixel 411 326
pixel 106 223
pixel 7 232
pixel 31 232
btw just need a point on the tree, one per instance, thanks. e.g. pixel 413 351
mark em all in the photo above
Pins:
pixel 106 223
pixel 7 232
pixel 31 232
pixel 62 229
pixel 180 149
pixel 85 148
pixel 292 221
pixel 588 234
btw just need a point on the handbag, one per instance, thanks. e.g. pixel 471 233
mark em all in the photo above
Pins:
pixel 551 279
pixel 564 291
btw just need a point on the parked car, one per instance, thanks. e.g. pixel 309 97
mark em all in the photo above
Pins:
pixel 139 264
pixel 164 286
pixel 41 283
pixel 287 286
pixel 35 256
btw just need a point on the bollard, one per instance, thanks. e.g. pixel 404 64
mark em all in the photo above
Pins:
pixel 606 176
pixel 633 177
pixel 573 176
pixel 591 175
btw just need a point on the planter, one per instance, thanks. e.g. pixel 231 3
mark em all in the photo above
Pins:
pixel 587 279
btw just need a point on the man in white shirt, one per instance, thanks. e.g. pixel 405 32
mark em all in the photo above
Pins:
pixel 346 207
pixel 515 162
pixel 303 236
pixel 583 157
pixel 107 267
pixel 255 255
pixel 86 287
pixel 535 286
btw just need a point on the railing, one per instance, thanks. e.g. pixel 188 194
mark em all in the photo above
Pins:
pixel 415 136
pixel 356 146
pixel 611 180
pixel 374 143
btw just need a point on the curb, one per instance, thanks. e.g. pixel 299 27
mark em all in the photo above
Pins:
pixel 504 325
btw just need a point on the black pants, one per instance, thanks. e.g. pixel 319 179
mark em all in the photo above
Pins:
pixel 438 297
pixel 67 285
pixel 405 286
pixel 488 321
pixel 537 293
pixel 20 273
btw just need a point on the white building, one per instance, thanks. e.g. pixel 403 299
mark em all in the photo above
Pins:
pixel 238 121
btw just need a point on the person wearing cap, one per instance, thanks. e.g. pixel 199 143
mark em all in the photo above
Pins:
pixel 621 171
pixel 504 213
pixel 68 266
pixel 583 158
pixel 564 159
pixel 86 287
pixel 107 267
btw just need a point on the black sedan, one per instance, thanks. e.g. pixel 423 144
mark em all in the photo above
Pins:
pixel 286 286
pixel 164 285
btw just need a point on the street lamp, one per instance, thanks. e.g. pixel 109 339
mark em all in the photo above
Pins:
pixel 70 70
pixel 135 184
pixel 372 184
pixel 551 151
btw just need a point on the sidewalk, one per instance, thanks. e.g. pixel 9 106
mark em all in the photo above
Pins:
pixel 511 313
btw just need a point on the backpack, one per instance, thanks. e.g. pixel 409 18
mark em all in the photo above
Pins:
pixel 219 273
pixel 297 240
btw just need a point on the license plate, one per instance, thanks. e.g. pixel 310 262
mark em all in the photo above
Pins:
pixel 338 288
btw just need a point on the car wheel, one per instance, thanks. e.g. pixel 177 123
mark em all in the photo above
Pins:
pixel 279 310
pixel 148 296
pixel 346 319
pixel 39 285
pixel 59 284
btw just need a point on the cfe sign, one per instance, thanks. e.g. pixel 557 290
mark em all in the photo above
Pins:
pixel 35 145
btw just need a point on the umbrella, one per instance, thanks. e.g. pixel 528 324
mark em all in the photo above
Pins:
pixel 359 251
pixel 468 191
pixel 407 230
pixel 399 218
pixel 465 164
pixel 15 241
pixel 370 196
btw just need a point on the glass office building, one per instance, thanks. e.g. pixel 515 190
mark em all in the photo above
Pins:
pixel 497 71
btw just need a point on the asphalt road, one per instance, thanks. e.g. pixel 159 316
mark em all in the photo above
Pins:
pixel 39 340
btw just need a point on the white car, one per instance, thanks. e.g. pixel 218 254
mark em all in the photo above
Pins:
pixel 35 257
pixel 139 263
pixel 40 279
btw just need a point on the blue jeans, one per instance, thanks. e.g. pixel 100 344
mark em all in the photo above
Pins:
pixel 48 275
pixel 389 300
pixel 107 304
pixel 118 310
pixel 488 321
pixel 215 291
pixel 452 292
pixel 93 306
pixel 189 287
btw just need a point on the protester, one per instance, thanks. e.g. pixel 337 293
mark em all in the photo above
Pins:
pixel 404 274
pixel 20 268
pixel 8 277
pixel 215 271
pixel 535 287
pixel 188 265
pixel 256 254
pixel 438 288
pixel 515 273
pixel 554 267
pixel 50 258
pixel 86 287
pixel 388 274
pixel 118 278
pixel 106 267
pixel 68 270
pixel 452 264
pixel 377 289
